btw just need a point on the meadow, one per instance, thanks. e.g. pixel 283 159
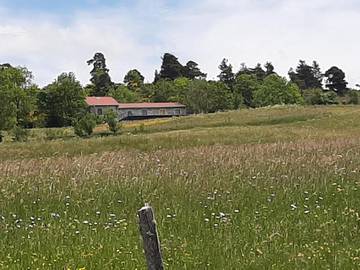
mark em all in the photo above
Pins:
pixel 270 188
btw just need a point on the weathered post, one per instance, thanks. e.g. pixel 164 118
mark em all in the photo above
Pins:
pixel 150 236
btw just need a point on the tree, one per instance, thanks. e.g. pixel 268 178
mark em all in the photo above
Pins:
pixel 100 75
pixel 269 69
pixel 163 91
pixel 258 71
pixel 277 90
pixel 170 68
pixel 226 75
pixel 123 94
pixel 305 76
pixel 62 101
pixel 335 80
pixel 17 97
pixel 208 97
pixel 111 119
pixel 84 126
pixel 133 79
pixel 192 71
pixel 244 88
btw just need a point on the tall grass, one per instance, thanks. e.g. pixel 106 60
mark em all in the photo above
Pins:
pixel 222 199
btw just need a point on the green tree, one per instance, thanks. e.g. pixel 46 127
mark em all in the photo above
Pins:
pixel 100 77
pixel 163 91
pixel 335 80
pixel 123 94
pixel 111 119
pixel 62 101
pixel 258 72
pixel 133 79
pixel 208 97
pixel 17 97
pixel 170 68
pixel 305 76
pixel 244 88
pixel 269 69
pixel 226 75
pixel 192 71
pixel 84 125
pixel 277 90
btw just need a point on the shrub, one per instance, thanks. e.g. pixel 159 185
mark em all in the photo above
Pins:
pixel 111 119
pixel 313 96
pixel 85 125
pixel 277 90
pixel 353 97
pixel 20 134
pixel 330 97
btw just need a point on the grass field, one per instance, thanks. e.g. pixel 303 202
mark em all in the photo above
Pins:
pixel 272 188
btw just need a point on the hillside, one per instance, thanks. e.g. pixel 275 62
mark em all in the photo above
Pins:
pixel 271 188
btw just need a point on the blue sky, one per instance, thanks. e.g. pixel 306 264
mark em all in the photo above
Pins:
pixel 50 37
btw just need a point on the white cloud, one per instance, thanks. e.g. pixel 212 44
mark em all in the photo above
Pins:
pixel 249 31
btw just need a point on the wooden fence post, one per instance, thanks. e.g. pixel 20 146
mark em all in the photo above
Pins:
pixel 150 236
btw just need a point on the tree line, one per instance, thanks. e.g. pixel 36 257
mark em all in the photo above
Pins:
pixel 62 103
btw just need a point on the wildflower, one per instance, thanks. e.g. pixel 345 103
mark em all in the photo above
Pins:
pixel 237 211
pixel 207 220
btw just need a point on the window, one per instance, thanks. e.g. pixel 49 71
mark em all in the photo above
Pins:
pixel 162 112
pixel 130 113
pixel 177 112
pixel 99 111
pixel 144 112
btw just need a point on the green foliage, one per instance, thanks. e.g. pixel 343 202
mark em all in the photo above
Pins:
pixel 353 97
pixel 164 90
pixel 226 75
pixel 112 120
pixel 62 101
pixel 134 80
pixel 20 134
pixel 17 97
pixel 208 97
pixel 170 68
pixel 277 90
pixel 335 80
pixel 245 87
pixel 318 96
pixel 269 69
pixel 100 77
pixel 123 94
pixel 192 71
pixel 307 77
pixel 84 126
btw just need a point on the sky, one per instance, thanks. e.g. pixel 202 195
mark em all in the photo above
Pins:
pixel 50 37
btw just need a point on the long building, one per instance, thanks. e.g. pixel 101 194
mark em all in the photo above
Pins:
pixel 130 111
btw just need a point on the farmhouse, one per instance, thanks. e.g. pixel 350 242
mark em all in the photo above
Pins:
pixel 128 111
pixel 99 105
pixel 149 110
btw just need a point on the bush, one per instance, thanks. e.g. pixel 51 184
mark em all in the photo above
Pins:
pixel 112 120
pixel 1 136
pixel 277 90
pixel 84 126
pixel 330 97
pixel 313 96
pixel 20 134
pixel 353 97
pixel 319 97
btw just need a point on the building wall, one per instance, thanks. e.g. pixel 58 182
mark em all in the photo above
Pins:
pixel 151 112
pixel 101 110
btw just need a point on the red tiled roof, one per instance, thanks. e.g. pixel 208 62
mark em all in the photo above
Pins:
pixel 101 101
pixel 150 105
